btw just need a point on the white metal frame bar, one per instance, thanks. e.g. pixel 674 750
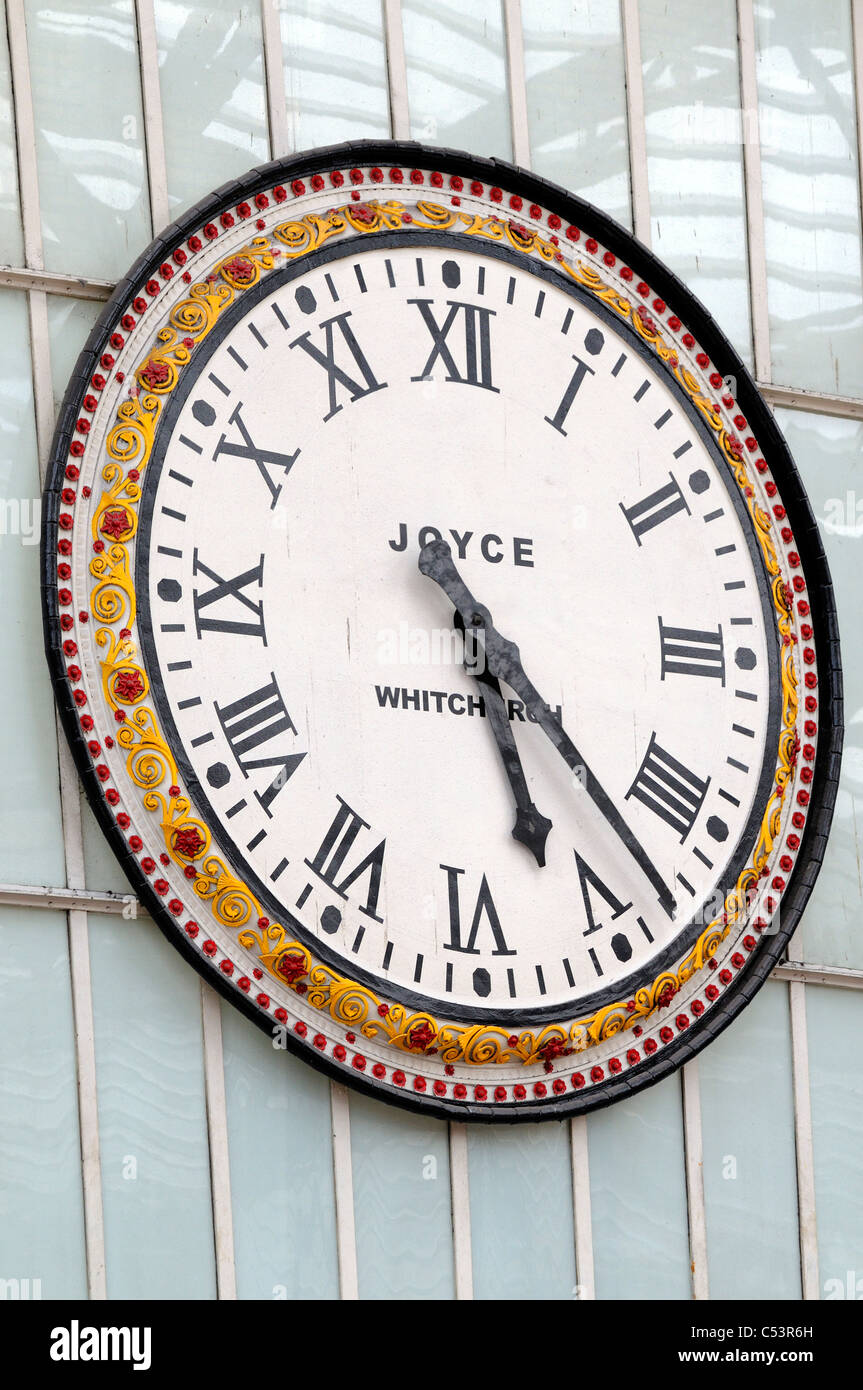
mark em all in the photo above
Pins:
pixel 274 73
pixel 753 190
pixel 635 119
pixel 459 1178
pixel 516 82
pixel 22 278
pixel 581 1208
pixel 803 1142
pixel 343 1182
pixel 151 100
pixel 73 841
pixel 217 1134
pixel 857 55
pixel 397 70
pixel 694 1160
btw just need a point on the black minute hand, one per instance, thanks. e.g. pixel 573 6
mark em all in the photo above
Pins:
pixel 504 661
pixel 531 826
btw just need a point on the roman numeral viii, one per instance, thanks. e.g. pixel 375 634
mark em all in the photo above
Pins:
pixel 253 721
pixel 687 652
pixel 651 511
pixel 248 449
pixel 337 845
pixel 476 343
pixel 246 617
pixel 669 789
pixel 337 374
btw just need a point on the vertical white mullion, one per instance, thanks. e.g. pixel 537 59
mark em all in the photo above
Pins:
pixel 803 1142
pixel 154 131
pixel 694 1153
pixel 516 82
pixel 753 188
pixel 397 70
pixel 343 1182
pixel 25 134
pixel 635 119
pixel 581 1208
pixel 460 1199
pixel 857 41
pixel 73 844
pixel 274 72
pixel 217 1133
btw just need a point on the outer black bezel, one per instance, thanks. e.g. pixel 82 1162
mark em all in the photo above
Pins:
pixel 824 787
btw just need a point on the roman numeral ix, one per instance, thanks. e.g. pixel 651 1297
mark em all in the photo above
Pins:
pixel 229 592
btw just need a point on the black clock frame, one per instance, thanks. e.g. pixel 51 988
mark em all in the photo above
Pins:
pixel 825 784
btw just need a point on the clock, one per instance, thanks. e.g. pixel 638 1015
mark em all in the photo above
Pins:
pixel 442 631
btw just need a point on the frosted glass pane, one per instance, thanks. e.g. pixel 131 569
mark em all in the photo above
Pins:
pixel 152 1114
pixel 834 1019
pixel 638 1195
pixel 694 154
pixel 69 324
pixel 401 1203
pixel 281 1155
pixel 811 199
pixel 457 74
pixel 829 454
pixel 11 242
pixel 576 100
pixel 521 1216
pixel 213 95
pixel 31 834
pixel 41 1201
pixel 750 1176
pixel 89 135
pixel 335 71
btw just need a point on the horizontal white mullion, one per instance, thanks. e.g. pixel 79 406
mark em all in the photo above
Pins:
pixel 839 975
pixel 70 899
pixel 798 398
pixel 19 278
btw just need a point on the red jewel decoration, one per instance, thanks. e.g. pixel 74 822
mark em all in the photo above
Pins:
pixel 665 1035
pixel 650 1046
pixel 591 245
pixel 396 176
pixel 226 219
pixel 339 1052
pixel 192 928
pixel 597 1074
pixel 175 906
pixel 211 231
pixel 558 1086
pixel 166 271
pixel 399 1078
pixel 573 233
pixel 292 967
pixel 359 1063
pixel 262 1000
pixel 540 1090
pixel 633 1056
pixel 241 269
pixel 609 258
pixel 319 1041
pixel 688 340
pixel 379 1070
pixel 682 1022
pixel 419 1083
pixel 76 448
pixel 535 210
pixel 416 176
pixel 136 843
pixel 161 886
pixel 459 1091
pixel 188 842
pixel 128 686
pixel 614 1065
pixel 115 524
pixel 577 1080
pixel 123 821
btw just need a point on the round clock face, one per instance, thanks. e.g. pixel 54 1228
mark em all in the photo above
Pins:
pixel 442 632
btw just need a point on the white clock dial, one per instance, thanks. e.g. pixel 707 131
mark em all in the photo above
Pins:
pixel 333 425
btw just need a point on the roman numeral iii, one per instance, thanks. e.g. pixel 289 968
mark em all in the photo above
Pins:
pixel 685 651
pixel 669 789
